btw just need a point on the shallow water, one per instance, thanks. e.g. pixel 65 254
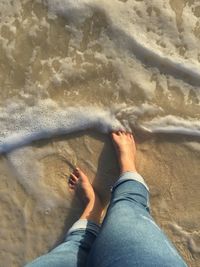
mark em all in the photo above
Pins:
pixel 72 71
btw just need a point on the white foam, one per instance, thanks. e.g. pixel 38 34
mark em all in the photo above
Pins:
pixel 27 168
pixel 70 9
pixel 9 9
pixel 173 125
pixel 130 34
pixel 21 124
pixel 127 43
pixel 186 237
pixel 194 146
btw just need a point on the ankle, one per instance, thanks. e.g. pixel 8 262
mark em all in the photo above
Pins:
pixel 127 165
pixel 93 211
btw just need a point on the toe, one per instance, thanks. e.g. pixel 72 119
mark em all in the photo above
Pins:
pixel 132 138
pixel 114 135
pixel 73 177
pixel 71 183
pixel 80 173
pixel 73 180
pixel 130 135
pixel 76 172
pixel 72 187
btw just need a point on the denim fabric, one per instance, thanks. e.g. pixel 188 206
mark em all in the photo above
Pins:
pixel 128 236
pixel 75 248
pixel 130 176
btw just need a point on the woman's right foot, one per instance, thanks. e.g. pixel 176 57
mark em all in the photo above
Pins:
pixel 126 150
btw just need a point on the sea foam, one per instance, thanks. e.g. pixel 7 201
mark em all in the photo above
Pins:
pixel 128 37
pixel 22 124
pixel 173 125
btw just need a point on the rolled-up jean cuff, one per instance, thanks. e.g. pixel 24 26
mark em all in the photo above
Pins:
pixel 84 224
pixel 127 176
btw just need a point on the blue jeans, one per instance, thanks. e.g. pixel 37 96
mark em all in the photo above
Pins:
pixel 128 236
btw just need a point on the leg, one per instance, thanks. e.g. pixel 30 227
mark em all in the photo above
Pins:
pixel 74 250
pixel 129 236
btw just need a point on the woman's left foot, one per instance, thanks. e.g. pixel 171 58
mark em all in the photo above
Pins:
pixel 80 184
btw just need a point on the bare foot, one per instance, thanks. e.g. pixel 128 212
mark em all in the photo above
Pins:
pixel 81 185
pixel 126 150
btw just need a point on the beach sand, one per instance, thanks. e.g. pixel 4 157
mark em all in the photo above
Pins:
pixel 139 72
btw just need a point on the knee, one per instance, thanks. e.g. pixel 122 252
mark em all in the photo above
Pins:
pixel 131 192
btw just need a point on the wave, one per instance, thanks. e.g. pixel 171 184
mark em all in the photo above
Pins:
pixel 123 34
pixel 177 68
pixel 21 125
pixel 173 125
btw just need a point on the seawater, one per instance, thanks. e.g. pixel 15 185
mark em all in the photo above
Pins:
pixel 73 65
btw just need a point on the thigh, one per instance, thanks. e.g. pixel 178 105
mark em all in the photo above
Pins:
pixel 129 236
pixel 73 252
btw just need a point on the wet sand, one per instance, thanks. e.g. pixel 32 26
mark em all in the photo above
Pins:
pixel 170 168
pixel 47 58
